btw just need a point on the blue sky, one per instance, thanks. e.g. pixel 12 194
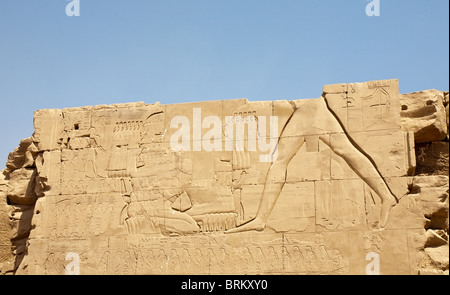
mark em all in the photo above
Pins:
pixel 193 50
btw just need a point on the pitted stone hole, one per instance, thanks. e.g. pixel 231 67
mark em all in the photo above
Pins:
pixel 38 212
pixel 404 107
pixel 413 189
pixel 429 103
pixel 76 126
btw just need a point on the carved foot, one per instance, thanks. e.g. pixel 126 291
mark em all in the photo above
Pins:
pixel 255 224
pixel 386 208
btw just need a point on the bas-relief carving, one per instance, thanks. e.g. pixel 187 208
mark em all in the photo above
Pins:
pixel 129 204
pixel 291 255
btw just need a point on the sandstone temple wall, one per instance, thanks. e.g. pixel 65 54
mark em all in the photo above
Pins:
pixel 311 186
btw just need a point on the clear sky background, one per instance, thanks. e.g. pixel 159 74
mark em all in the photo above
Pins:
pixel 175 51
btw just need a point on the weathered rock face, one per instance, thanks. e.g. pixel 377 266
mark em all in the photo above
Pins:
pixel 18 191
pixel 432 158
pixel 319 186
pixel 424 113
pixel 6 256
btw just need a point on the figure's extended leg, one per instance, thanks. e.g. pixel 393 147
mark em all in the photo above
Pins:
pixel 177 222
pixel 364 168
pixel 275 180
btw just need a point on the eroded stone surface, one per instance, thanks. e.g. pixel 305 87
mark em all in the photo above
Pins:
pixel 432 158
pixel 424 113
pixel 316 186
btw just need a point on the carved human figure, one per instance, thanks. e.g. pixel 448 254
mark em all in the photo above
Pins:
pixel 311 262
pixel 297 260
pixel 272 259
pixel 373 242
pixel 131 215
pixel 259 260
pixel 315 116
pixel 159 212
pixel 151 262
pixel 286 258
pixel 212 260
pixel 49 264
pixel 174 262
pixel 222 260
pixel 162 261
pixel 186 261
pixel 128 263
pixel 236 259
pixel 105 263
pixel 323 259
pixel 338 263
pixel 199 261
pixel 248 260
